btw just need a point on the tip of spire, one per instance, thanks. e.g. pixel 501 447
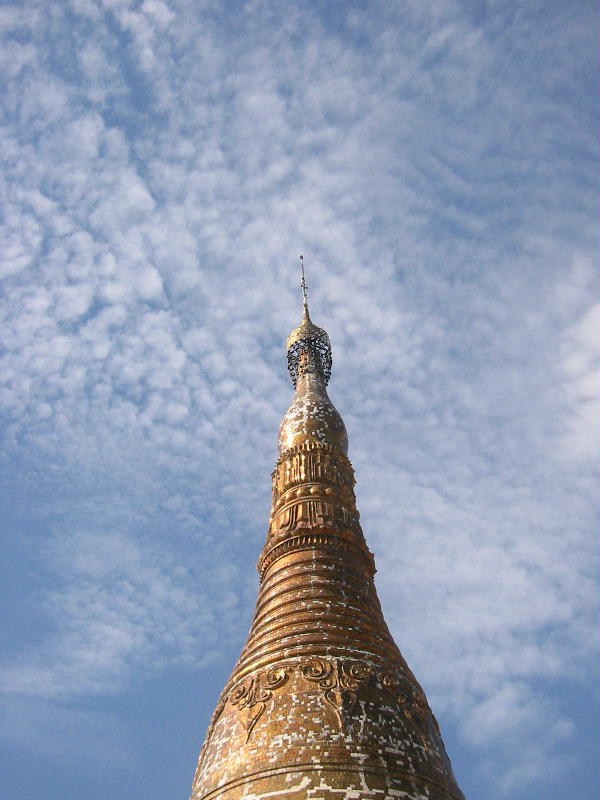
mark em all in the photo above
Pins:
pixel 304 288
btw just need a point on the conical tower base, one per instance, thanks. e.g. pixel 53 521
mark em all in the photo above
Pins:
pixel 321 703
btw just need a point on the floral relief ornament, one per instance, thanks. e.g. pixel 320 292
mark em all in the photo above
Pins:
pixel 411 699
pixel 254 695
pixel 338 681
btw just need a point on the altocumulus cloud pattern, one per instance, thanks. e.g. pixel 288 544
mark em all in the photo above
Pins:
pixel 163 165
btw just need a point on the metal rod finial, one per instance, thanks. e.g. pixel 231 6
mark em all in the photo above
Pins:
pixel 303 285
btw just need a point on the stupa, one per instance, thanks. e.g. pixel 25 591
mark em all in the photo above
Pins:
pixel 321 705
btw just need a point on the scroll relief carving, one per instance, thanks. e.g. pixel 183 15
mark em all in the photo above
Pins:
pixel 409 697
pixel 338 682
pixel 252 696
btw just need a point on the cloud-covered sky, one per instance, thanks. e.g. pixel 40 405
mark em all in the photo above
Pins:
pixel 163 164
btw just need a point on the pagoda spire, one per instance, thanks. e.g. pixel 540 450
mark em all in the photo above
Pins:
pixel 320 704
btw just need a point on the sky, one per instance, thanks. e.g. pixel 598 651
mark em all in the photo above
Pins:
pixel 164 163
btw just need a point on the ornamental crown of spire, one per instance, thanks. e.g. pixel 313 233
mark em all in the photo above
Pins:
pixel 308 346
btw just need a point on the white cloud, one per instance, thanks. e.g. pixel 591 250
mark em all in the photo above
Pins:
pixel 119 604
pixel 163 172
pixel 581 364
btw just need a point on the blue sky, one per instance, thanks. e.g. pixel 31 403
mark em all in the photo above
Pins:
pixel 163 165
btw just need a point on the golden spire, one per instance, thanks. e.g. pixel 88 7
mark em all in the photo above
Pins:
pixel 321 704
pixel 308 340
pixel 311 416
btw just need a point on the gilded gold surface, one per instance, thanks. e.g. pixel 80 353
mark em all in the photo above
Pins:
pixel 321 703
